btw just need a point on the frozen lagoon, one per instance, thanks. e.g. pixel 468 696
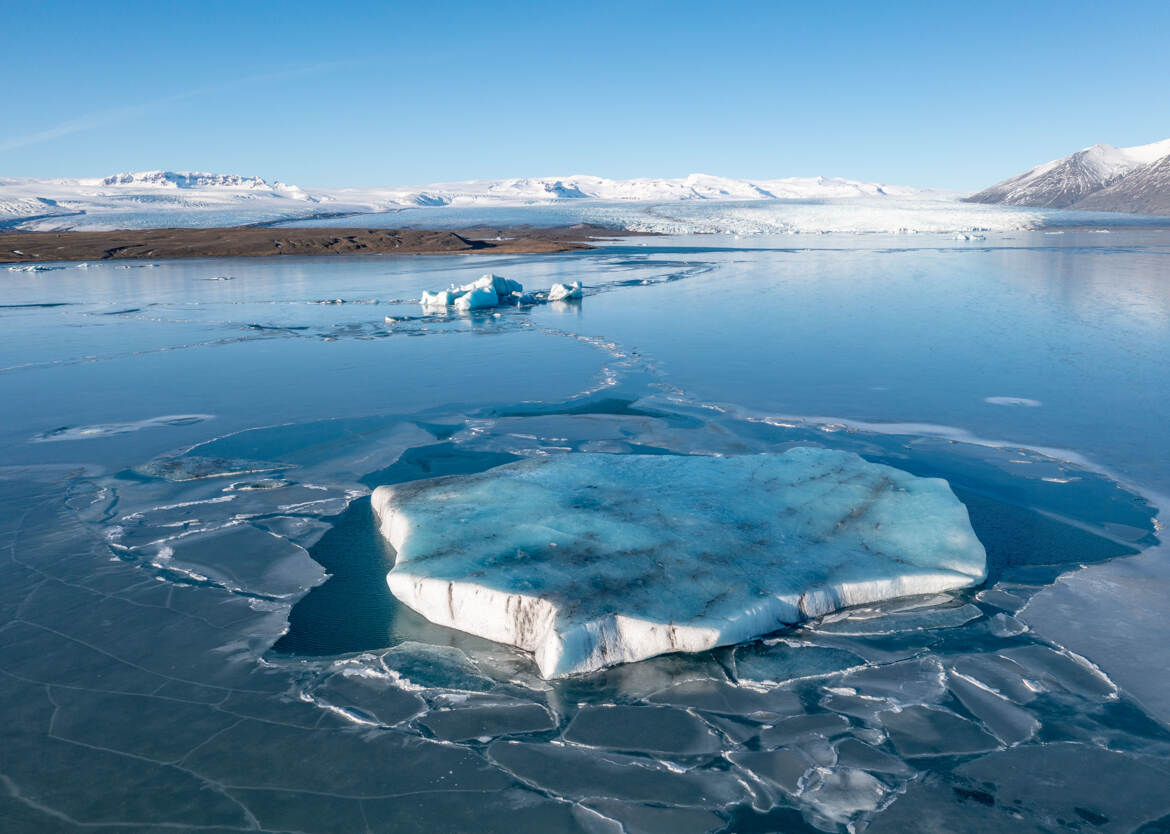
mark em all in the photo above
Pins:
pixel 188 457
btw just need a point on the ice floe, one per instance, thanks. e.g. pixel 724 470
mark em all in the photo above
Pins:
pixel 588 560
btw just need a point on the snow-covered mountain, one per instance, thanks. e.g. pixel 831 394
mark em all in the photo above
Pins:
pixel 1145 190
pixel 1087 179
pixel 189 179
pixel 191 198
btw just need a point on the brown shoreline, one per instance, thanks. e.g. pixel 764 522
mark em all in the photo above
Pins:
pixel 251 241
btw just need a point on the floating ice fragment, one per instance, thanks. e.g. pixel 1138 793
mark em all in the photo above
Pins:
pixel 564 292
pixel 489 291
pixel 674 553
pixel 1017 401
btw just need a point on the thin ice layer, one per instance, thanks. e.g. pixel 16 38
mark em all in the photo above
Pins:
pixel 588 560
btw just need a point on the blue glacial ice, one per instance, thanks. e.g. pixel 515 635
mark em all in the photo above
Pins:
pixel 492 290
pixel 589 560
pixel 489 290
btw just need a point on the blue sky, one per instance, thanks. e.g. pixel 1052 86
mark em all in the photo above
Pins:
pixel 953 95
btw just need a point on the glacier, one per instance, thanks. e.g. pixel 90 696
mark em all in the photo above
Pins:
pixel 698 203
pixel 589 560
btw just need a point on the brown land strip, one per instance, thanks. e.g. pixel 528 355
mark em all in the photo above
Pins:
pixel 250 241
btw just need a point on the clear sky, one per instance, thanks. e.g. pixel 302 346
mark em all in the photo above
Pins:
pixel 955 95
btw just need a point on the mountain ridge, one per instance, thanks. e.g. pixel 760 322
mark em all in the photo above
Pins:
pixel 1101 177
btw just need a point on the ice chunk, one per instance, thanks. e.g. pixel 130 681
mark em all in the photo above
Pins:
pixel 673 553
pixel 488 291
pixel 477 299
pixel 498 284
pixel 564 292
pixel 442 298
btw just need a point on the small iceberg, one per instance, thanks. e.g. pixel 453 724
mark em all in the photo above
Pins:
pixel 589 560
pixel 564 292
pixel 495 291
pixel 489 291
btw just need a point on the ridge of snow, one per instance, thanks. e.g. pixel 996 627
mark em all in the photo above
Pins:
pixel 1145 154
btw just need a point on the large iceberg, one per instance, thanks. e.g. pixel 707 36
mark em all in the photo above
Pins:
pixel 588 560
